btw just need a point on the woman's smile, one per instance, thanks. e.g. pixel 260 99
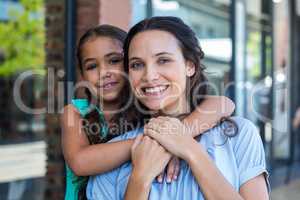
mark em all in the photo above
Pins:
pixel 154 91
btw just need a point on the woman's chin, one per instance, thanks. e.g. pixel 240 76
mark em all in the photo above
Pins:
pixel 155 107
pixel 152 106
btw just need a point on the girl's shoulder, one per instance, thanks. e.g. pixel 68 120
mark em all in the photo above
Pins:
pixel 79 106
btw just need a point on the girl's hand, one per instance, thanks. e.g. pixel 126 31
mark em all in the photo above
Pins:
pixel 173 170
pixel 148 158
pixel 172 134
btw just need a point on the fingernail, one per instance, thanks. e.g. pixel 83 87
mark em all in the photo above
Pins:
pixel 160 179
pixel 175 177
pixel 168 180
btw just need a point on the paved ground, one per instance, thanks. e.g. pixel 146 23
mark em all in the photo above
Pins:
pixel 287 192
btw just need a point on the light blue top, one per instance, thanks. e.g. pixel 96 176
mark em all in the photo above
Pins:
pixel 239 159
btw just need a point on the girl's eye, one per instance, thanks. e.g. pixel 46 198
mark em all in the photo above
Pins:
pixel 91 66
pixel 163 61
pixel 136 65
pixel 114 61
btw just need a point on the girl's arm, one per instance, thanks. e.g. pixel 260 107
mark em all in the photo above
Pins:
pixel 208 114
pixel 85 159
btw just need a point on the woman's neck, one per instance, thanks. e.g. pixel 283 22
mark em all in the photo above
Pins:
pixel 178 108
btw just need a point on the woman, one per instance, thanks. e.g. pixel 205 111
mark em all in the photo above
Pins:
pixel 100 58
pixel 164 52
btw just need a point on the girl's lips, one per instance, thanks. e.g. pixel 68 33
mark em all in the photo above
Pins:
pixel 109 85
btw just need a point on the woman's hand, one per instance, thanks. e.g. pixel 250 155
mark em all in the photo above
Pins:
pixel 148 158
pixel 172 134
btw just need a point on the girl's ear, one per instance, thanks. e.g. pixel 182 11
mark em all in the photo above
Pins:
pixel 190 68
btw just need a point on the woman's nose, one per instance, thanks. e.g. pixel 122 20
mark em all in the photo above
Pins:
pixel 150 73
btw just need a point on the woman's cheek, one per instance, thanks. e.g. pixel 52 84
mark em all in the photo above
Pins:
pixel 134 79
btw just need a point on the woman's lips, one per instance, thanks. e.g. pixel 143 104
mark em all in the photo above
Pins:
pixel 154 91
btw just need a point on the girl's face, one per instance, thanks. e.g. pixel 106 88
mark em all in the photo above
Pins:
pixel 158 71
pixel 102 64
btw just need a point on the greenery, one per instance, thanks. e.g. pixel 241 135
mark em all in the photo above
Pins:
pixel 22 38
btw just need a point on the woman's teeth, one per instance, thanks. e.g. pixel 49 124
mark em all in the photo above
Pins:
pixel 155 90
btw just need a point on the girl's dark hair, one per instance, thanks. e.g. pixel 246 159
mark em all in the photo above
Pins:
pixel 197 85
pixel 94 118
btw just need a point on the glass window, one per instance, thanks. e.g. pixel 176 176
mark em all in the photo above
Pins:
pixel 281 94
pixel 139 11
pixel 22 74
pixel 210 21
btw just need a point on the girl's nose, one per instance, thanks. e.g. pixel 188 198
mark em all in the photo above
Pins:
pixel 104 73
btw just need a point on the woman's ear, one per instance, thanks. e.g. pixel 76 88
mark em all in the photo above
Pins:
pixel 190 68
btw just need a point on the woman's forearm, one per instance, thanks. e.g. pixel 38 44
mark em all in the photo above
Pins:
pixel 208 114
pixel 100 158
pixel 213 184
pixel 138 188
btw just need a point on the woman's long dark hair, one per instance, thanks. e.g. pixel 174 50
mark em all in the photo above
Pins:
pixel 93 118
pixel 197 85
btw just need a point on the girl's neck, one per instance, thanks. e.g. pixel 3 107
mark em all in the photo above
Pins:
pixel 110 109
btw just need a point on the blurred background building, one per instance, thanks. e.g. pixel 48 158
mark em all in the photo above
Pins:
pixel 252 52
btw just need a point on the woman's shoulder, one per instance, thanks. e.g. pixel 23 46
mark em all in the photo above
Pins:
pixel 241 121
pixel 244 126
pixel 247 133
pixel 237 130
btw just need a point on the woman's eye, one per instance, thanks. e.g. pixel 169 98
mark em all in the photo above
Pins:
pixel 91 66
pixel 136 65
pixel 163 61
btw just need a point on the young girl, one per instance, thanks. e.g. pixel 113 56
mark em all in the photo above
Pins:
pixel 90 121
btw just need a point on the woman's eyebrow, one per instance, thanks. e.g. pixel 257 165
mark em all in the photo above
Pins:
pixel 163 53
pixel 134 58
pixel 155 55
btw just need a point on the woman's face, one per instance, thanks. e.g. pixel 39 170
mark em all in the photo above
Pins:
pixel 158 71
pixel 102 65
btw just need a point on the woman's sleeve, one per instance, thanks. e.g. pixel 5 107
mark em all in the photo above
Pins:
pixel 102 186
pixel 249 151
